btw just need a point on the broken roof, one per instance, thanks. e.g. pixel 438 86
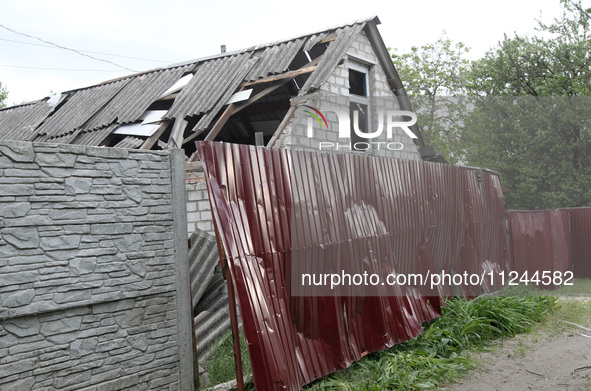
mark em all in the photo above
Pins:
pixel 171 106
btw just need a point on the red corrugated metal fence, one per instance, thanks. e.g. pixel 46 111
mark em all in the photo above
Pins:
pixel 278 209
pixel 580 224
pixel 540 241
pixel 551 240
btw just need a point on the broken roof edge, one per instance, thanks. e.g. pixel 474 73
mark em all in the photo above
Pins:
pixel 23 104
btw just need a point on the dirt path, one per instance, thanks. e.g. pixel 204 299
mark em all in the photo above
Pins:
pixel 534 361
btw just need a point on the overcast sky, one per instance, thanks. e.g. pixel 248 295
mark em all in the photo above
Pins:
pixel 175 30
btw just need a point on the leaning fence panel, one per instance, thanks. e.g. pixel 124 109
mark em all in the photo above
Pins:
pixel 282 212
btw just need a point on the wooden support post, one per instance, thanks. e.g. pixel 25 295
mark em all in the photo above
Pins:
pixel 259 139
pixel 281 127
pixel 149 143
pixel 235 333
pixel 191 138
pixel 220 122
pixel 260 95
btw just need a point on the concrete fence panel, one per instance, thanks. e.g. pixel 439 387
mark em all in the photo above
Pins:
pixel 94 289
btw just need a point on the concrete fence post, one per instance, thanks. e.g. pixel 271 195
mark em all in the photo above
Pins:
pixel 183 292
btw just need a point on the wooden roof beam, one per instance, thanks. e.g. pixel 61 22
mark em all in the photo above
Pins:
pixel 308 68
pixel 150 141
pixel 234 108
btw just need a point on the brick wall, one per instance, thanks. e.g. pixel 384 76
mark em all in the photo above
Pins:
pixel 93 285
pixel 198 208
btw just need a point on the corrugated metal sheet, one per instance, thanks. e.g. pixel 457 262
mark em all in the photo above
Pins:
pixel 275 59
pixel 530 244
pixel 135 97
pixel 216 290
pixel 561 239
pixel 19 122
pixel 230 89
pixel 540 241
pixel 210 301
pixel 494 255
pixel 211 81
pixel 95 137
pixel 314 39
pixel 580 220
pixel 130 142
pixel 79 107
pixel 203 258
pixel 335 52
pixel 278 208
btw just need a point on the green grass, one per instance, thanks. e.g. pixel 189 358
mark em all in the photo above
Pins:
pixel 220 364
pixel 436 356
pixel 579 288
pixel 572 310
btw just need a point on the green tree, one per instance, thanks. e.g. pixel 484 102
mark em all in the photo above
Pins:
pixel 3 96
pixel 434 77
pixel 532 119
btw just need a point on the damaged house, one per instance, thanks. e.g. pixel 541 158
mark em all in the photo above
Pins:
pixel 230 97
pixel 262 91
pixel 270 94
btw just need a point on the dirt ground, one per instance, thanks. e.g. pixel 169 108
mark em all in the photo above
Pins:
pixel 536 361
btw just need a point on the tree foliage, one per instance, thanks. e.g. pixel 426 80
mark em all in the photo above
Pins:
pixel 539 66
pixel 532 120
pixel 540 145
pixel 523 109
pixel 3 96
pixel 434 76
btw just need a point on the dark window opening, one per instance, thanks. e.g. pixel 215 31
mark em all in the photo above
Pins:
pixel 357 83
pixel 359 108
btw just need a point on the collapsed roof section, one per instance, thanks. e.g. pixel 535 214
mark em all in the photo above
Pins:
pixel 227 97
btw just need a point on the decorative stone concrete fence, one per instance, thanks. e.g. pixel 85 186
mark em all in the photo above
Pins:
pixel 94 281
